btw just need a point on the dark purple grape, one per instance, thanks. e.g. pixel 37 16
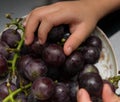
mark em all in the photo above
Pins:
pixel 3 66
pixel 22 62
pixel 11 37
pixel 4 49
pixel 36 47
pixel 34 69
pixel 94 41
pixel 56 33
pixel 74 63
pixel 53 55
pixel 61 93
pixel 4 89
pixel 92 82
pixel 43 88
pixel 91 54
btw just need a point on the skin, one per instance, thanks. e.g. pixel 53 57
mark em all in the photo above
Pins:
pixel 82 17
pixel 107 96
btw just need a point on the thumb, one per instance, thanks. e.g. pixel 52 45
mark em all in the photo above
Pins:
pixel 83 96
pixel 109 95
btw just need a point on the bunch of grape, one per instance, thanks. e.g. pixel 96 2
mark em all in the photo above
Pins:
pixel 43 73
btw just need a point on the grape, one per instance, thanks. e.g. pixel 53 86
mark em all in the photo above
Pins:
pixel 74 63
pixel 11 37
pixel 56 33
pixel 61 93
pixel 53 55
pixel 43 88
pixel 34 69
pixel 22 62
pixel 3 66
pixel 91 54
pixel 4 49
pixel 92 82
pixel 94 41
pixel 4 89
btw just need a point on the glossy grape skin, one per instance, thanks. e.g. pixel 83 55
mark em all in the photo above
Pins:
pixel 3 66
pixel 61 93
pixel 43 88
pixel 22 63
pixel 94 41
pixel 34 69
pixel 74 63
pixel 92 82
pixel 4 89
pixel 4 49
pixel 56 33
pixel 11 37
pixel 91 54
pixel 53 55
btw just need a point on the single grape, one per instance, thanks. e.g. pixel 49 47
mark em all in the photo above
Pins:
pixel 74 63
pixel 43 88
pixel 91 54
pixel 94 41
pixel 56 33
pixel 92 82
pixel 3 66
pixel 34 69
pixel 11 37
pixel 22 63
pixel 61 93
pixel 53 55
pixel 4 89
pixel 4 49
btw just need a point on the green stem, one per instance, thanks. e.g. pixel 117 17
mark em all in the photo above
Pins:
pixel 16 55
pixel 10 96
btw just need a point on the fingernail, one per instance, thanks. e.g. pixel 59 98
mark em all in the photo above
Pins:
pixel 69 50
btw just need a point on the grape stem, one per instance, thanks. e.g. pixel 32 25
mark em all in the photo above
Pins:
pixel 10 97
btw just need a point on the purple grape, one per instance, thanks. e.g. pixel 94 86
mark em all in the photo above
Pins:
pixel 4 89
pixel 91 54
pixel 94 41
pixel 3 66
pixel 61 93
pixel 11 37
pixel 34 69
pixel 4 49
pixel 92 82
pixel 74 63
pixel 53 55
pixel 43 88
pixel 56 33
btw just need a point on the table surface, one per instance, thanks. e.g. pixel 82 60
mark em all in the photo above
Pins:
pixel 18 8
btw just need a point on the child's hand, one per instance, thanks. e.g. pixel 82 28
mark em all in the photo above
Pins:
pixel 81 16
pixel 108 95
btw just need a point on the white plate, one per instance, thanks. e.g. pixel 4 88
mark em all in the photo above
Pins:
pixel 107 64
